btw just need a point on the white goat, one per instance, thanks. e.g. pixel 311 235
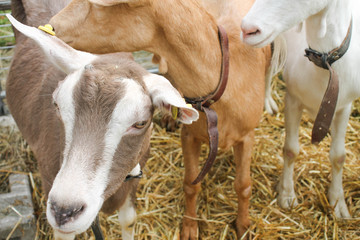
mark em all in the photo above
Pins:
pixel 326 26
pixel 89 130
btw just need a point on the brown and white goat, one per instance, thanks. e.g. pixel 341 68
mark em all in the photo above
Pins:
pixel 183 35
pixel 88 120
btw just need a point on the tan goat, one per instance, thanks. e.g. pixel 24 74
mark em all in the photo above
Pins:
pixel 87 119
pixel 183 35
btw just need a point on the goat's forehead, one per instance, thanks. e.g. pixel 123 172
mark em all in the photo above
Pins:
pixel 102 80
pixel 99 89
pixel 135 99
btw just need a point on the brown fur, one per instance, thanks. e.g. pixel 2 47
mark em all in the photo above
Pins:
pixel 32 80
pixel 183 37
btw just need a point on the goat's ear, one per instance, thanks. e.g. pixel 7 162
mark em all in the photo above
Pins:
pixel 165 96
pixel 112 2
pixel 59 53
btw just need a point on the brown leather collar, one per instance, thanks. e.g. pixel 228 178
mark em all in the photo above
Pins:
pixel 328 104
pixel 207 100
pixel 203 104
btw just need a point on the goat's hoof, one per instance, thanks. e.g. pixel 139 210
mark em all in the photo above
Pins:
pixel 287 200
pixel 341 210
pixel 190 230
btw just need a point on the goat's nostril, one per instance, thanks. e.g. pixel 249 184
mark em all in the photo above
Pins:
pixel 65 214
pixel 75 212
pixel 256 32
pixel 249 30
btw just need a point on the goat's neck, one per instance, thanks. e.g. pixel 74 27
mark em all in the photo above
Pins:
pixel 190 46
pixel 327 29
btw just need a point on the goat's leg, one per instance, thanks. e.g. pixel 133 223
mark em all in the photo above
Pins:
pixel 127 218
pixel 285 188
pixel 242 156
pixel 191 150
pixel 337 158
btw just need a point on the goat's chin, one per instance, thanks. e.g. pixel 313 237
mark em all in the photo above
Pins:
pixel 258 40
pixel 63 236
pixel 77 225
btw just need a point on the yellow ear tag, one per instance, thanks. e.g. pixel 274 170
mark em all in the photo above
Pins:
pixel 48 29
pixel 174 112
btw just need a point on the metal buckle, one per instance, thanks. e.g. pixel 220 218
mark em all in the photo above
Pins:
pixel 129 177
pixel 318 58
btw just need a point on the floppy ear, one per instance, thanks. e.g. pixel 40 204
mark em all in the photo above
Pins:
pixel 165 96
pixel 59 53
pixel 111 2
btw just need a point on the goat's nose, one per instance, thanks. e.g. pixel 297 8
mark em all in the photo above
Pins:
pixel 64 214
pixel 249 29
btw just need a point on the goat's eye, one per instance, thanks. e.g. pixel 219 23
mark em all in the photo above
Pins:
pixel 140 125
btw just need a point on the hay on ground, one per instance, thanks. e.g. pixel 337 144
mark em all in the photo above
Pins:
pixel 160 199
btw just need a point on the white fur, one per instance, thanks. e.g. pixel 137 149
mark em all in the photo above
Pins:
pixel 276 17
pixel 63 98
pixel 136 170
pixel 127 218
pixel 326 25
pixel 61 236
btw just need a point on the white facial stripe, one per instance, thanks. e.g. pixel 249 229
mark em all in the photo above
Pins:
pixel 66 105
pixel 127 111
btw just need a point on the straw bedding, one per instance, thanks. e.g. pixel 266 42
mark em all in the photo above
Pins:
pixel 160 199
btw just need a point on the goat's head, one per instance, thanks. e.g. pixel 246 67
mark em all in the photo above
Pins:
pixel 105 104
pixel 268 18
pixel 103 26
